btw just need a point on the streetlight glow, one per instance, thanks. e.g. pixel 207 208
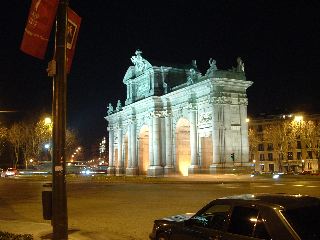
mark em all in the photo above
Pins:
pixel 298 118
pixel 47 121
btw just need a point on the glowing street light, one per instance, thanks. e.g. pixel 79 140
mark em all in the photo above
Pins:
pixel 298 118
pixel 47 121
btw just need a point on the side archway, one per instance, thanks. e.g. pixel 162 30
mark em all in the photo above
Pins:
pixel 183 155
pixel 143 161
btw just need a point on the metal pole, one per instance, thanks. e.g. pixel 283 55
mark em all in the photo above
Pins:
pixel 59 196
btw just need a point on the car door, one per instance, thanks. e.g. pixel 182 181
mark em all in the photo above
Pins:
pixel 209 224
pixel 246 223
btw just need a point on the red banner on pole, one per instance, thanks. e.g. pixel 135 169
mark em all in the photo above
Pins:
pixel 37 32
pixel 73 27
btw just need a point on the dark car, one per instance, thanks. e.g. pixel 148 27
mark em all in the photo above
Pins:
pixel 248 216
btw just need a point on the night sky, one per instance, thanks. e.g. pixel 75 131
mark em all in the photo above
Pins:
pixel 277 40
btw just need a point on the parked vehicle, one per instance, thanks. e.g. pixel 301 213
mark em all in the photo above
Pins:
pixel 10 172
pixel 305 172
pixel 261 216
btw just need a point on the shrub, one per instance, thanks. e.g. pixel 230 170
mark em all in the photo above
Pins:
pixel 12 236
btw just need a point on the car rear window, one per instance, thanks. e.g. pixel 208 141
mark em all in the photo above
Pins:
pixel 305 221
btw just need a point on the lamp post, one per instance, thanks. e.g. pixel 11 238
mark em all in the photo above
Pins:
pixel 59 102
pixel 302 165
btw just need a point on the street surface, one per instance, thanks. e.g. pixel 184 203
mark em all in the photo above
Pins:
pixel 126 210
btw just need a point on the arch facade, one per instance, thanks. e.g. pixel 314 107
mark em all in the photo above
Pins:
pixel 176 117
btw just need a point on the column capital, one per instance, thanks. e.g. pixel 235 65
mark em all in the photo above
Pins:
pixel 159 113
pixel 132 120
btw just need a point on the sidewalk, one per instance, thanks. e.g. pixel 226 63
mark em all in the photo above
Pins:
pixel 40 231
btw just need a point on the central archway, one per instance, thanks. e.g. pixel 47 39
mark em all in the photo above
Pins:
pixel 183 155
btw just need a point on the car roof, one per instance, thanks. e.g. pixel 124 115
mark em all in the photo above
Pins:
pixel 287 201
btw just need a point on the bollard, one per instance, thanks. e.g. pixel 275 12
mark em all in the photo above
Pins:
pixel 47 201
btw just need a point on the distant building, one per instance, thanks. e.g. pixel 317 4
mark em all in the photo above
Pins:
pixel 177 121
pixel 300 148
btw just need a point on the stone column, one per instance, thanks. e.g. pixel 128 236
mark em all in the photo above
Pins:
pixel 111 168
pixel 156 169
pixel 151 163
pixel 129 149
pixel 193 168
pixel 156 141
pixel 132 169
pixel 169 169
pixel 119 168
pixel 216 136
pixel 133 145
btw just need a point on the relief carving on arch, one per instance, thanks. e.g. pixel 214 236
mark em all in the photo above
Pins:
pixel 243 101
pixel 221 100
pixel 205 118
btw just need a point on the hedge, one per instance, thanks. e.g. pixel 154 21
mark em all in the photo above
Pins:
pixel 12 236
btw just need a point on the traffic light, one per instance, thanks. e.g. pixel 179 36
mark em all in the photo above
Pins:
pixel 232 156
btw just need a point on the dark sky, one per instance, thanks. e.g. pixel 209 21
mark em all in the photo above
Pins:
pixel 277 40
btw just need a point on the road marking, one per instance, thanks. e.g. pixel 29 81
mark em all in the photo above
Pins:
pixel 263 186
pixel 298 185
pixel 312 186
pixel 279 184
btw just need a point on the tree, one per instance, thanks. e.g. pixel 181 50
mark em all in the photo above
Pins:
pixel 26 142
pixel 15 138
pixel 28 139
pixel 253 141
pixel 282 137
pixel 71 142
pixel 309 133
pixel 42 136
pixel 3 138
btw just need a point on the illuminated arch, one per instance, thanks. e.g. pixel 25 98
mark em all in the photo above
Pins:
pixel 143 160
pixel 183 156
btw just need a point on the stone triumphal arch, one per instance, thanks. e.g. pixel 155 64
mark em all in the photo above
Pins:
pixel 177 121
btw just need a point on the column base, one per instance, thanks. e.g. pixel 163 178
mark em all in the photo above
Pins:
pixel 111 171
pixel 155 171
pixel 131 171
pixel 193 169
pixel 120 171
pixel 169 171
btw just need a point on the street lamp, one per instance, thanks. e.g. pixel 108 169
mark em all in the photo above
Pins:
pixel 47 121
pixel 298 118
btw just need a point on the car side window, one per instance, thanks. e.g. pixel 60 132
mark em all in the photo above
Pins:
pixel 243 220
pixel 260 230
pixel 215 217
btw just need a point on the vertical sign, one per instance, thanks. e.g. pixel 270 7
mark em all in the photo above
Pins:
pixel 37 31
pixel 73 26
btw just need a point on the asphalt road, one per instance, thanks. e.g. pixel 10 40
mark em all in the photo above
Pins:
pixel 108 210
